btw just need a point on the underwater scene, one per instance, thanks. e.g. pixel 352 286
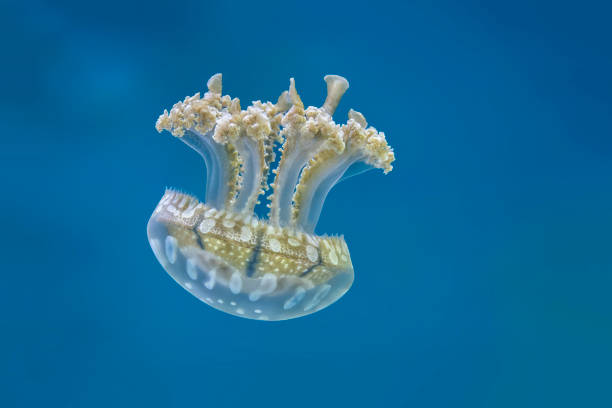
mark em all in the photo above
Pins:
pixel 321 204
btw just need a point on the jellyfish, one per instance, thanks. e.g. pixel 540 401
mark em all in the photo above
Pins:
pixel 219 250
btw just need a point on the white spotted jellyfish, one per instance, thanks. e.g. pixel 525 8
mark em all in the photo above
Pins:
pixel 219 250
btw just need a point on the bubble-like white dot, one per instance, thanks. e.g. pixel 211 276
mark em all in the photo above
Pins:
pixel 207 225
pixel 297 297
pixel 275 245
pixel 192 270
pixel 312 253
pixel 156 246
pixel 210 283
pixel 318 297
pixel 245 233
pixel 171 245
pixel 267 284
pixel 235 283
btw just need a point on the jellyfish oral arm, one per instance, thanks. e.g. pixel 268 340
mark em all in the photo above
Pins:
pixel 307 132
pixel 336 87
pixel 218 169
pixel 308 200
pixel 361 145
pixel 287 176
pixel 252 174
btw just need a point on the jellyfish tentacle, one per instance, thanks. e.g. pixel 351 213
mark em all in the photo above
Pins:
pixel 193 121
pixel 215 83
pixel 254 127
pixel 327 168
pixel 292 122
pixel 252 132
pixel 316 182
pixel 306 132
pixel 336 87
pixel 218 167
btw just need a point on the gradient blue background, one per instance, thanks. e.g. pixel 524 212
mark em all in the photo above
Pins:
pixel 483 261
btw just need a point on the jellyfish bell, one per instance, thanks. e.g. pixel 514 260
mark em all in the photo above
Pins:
pixel 219 250
pixel 245 266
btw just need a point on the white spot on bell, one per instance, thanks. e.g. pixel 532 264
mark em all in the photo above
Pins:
pixel 235 283
pixel 156 246
pixel 210 283
pixel 245 233
pixel 171 245
pixel 312 253
pixel 190 211
pixel 293 242
pixel 318 297
pixel 297 297
pixel 207 225
pixel 228 223
pixel 275 245
pixel 192 270
pixel 267 284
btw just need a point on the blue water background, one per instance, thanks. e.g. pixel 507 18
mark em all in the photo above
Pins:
pixel 483 262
